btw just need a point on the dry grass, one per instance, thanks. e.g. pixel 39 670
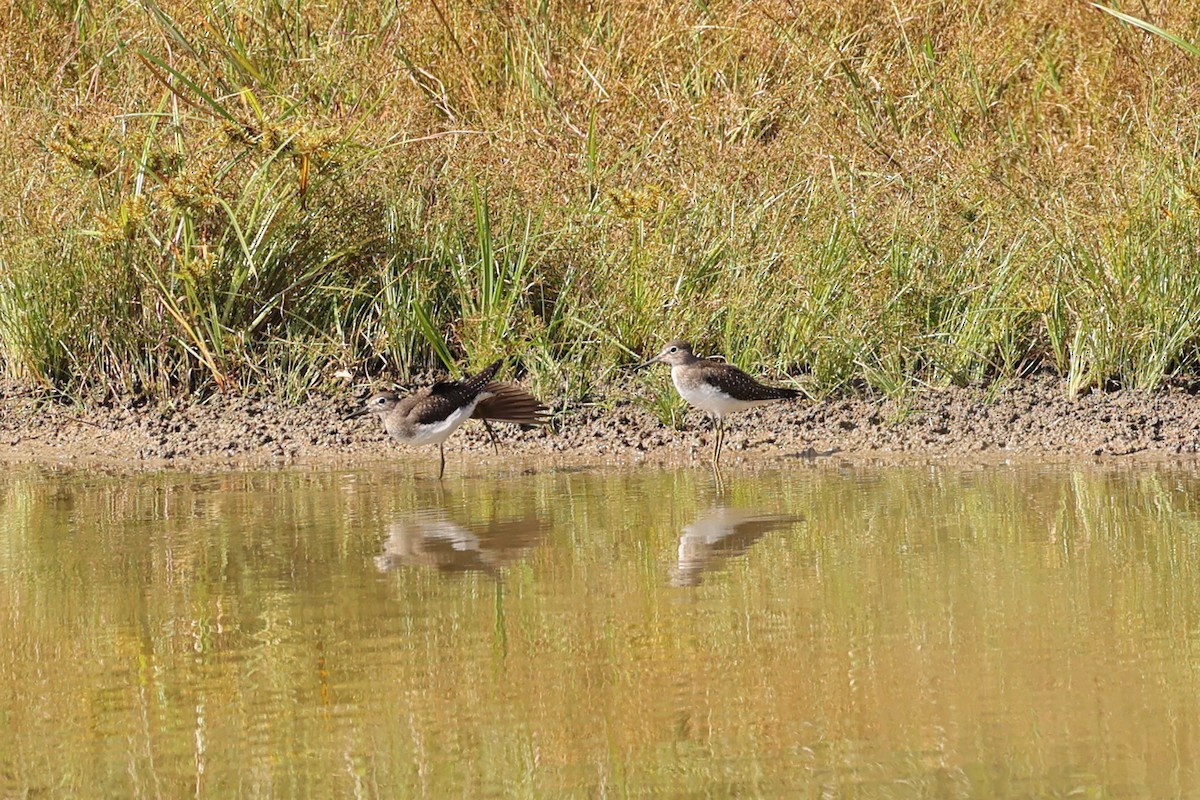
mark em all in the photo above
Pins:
pixel 869 194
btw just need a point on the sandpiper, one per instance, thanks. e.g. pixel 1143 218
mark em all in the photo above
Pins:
pixel 431 414
pixel 722 533
pixel 434 538
pixel 714 386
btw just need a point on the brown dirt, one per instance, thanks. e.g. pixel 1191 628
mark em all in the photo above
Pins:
pixel 1027 419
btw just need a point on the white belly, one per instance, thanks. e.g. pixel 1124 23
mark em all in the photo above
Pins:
pixel 438 432
pixel 707 398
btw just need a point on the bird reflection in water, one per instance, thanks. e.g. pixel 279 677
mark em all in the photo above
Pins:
pixel 720 534
pixel 435 540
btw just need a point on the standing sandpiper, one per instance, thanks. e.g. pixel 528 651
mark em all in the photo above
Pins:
pixel 714 386
pixel 431 414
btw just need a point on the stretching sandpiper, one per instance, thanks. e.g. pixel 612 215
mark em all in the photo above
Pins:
pixel 714 386
pixel 431 414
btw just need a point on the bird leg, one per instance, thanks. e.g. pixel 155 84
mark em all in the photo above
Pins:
pixel 442 453
pixel 718 479
pixel 720 426
pixel 491 435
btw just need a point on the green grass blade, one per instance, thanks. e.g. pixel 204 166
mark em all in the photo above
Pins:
pixel 1151 28
pixel 153 61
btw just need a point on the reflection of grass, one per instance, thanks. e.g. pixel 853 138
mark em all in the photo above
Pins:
pixel 268 194
pixel 912 611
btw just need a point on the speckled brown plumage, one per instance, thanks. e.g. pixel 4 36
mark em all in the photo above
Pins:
pixel 715 387
pixel 431 414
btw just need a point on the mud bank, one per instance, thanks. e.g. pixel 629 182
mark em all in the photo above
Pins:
pixel 1028 419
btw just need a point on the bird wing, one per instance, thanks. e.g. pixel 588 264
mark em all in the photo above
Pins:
pixel 462 392
pixel 468 386
pixel 482 378
pixel 511 403
pixel 741 386
pixel 422 407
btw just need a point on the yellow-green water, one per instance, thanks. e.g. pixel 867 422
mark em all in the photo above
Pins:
pixel 813 632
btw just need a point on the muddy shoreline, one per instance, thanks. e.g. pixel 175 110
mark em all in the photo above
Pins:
pixel 1029 419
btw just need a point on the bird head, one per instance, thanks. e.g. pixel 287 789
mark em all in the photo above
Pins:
pixel 676 351
pixel 378 403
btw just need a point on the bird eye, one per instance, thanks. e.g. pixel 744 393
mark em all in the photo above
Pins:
pixel 673 350
pixel 380 401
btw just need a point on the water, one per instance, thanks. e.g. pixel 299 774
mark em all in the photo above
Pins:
pixel 816 631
